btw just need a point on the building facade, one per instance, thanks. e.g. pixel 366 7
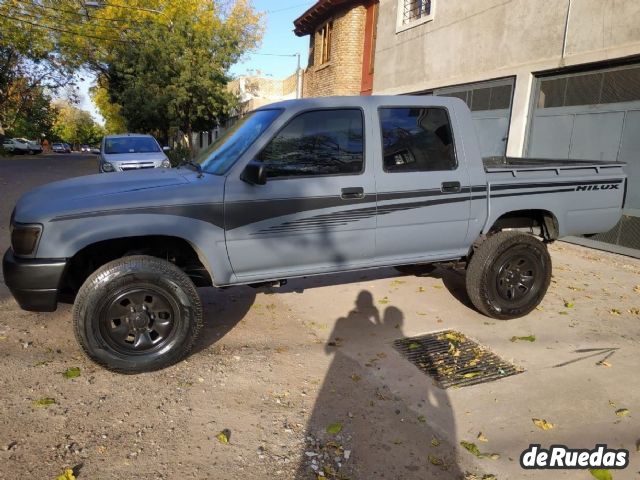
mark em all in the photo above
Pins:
pixel 547 79
pixel 341 47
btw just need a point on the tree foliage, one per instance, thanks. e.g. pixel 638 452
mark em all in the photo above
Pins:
pixel 75 126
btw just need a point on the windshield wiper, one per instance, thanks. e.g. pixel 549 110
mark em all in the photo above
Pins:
pixel 193 164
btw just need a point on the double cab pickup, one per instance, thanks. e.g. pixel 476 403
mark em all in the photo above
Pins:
pixel 297 188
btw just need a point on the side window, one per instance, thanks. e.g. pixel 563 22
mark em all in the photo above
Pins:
pixel 416 140
pixel 321 142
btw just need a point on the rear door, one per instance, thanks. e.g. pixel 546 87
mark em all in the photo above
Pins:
pixel 317 210
pixel 423 191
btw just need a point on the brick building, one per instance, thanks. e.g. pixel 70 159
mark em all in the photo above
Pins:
pixel 341 47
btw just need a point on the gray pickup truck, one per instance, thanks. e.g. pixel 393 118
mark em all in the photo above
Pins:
pixel 298 188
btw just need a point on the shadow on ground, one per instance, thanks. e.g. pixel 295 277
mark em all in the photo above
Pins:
pixel 359 426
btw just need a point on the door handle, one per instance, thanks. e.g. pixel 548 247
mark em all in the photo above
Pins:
pixel 450 187
pixel 352 192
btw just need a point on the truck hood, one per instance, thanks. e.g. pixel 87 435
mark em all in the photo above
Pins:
pixel 100 191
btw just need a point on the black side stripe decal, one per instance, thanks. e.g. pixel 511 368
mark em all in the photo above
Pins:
pixel 512 186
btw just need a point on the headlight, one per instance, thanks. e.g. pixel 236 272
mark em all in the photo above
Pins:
pixel 24 238
pixel 107 167
pixel 166 164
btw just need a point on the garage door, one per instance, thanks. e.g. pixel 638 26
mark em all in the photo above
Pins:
pixel 593 115
pixel 490 104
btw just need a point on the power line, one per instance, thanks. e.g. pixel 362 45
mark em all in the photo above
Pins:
pixel 73 12
pixel 30 14
pixel 129 7
pixel 61 30
pixel 289 8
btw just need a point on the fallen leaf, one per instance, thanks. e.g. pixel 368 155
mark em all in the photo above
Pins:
pixel 71 372
pixel 435 460
pixel 601 474
pixel 224 436
pixel 435 442
pixel 622 412
pixel 421 289
pixel 44 402
pixel 482 437
pixel 634 311
pixel 471 447
pixel 356 378
pixel 334 428
pixel 612 403
pixel 437 286
pixel 471 374
pixel 67 475
pixel 603 363
pixel 615 311
pixel 336 342
pixel 492 456
pixel 636 289
pixel 563 313
pixel 489 476
pixel 413 346
pixel 383 301
pixel 422 418
pixel 528 338
pixel 542 423
pixel 568 304
pixel 3 337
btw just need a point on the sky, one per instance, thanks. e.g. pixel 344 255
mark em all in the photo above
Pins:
pixel 275 57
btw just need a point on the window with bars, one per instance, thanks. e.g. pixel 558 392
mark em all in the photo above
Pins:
pixel 325 34
pixel 414 12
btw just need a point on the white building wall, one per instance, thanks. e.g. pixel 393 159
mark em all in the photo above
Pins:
pixel 475 40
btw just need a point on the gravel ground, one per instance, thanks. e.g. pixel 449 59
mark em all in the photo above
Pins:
pixel 304 379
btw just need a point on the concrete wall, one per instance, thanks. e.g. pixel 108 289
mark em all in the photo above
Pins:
pixel 475 40
pixel 342 74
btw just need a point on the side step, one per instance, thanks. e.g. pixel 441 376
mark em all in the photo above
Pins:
pixel 275 284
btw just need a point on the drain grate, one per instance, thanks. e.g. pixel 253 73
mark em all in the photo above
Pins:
pixel 453 360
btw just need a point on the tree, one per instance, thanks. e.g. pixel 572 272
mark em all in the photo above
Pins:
pixel 175 73
pixel 114 122
pixel 75 126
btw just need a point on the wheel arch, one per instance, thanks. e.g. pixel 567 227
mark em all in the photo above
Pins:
pixel 178 250
pixel 531 219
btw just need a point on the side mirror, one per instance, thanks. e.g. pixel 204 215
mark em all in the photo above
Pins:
pixel 166 148
pixel 254 173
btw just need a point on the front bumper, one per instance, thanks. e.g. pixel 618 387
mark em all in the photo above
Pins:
pixel 33 282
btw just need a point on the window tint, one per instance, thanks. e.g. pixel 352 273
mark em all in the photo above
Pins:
pixel 118 145
pixel 322 142
pixel 416 140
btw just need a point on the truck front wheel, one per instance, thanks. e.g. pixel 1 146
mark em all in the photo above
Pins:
pixel 137 314
pixel 508 275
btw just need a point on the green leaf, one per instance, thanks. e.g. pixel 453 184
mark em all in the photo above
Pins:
pixel 471 447
pixel 71 372
pixel 44 402
pixel 528 338
pixel 67 475
pixel 224 436
pixel 413 346
pixel 334 428
pixel 601 473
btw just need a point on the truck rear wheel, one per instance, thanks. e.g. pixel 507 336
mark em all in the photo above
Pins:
pixel 508 275
pixel 137 314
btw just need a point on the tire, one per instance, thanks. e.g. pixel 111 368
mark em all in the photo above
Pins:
pixel 137 314
pixel 417 269
pixel 508 275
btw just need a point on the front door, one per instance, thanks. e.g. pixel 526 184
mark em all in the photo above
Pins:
pixel 423 193
pixel 317 210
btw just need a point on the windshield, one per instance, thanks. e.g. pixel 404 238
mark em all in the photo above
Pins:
pixel 130 145
pixel 223 153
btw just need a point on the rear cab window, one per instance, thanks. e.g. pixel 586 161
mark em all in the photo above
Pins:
pixel 317 143
pixel 416 139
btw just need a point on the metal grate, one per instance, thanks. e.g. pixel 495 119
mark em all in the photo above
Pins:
pixel 415 10
pixel 453 360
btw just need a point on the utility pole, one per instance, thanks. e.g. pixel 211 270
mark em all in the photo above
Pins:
pixel 299 78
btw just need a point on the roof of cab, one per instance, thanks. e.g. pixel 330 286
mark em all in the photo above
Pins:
pixel 364 100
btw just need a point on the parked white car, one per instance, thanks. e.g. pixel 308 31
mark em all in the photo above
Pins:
pixel 21 145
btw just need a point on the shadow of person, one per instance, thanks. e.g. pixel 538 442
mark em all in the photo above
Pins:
pixel 376 415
